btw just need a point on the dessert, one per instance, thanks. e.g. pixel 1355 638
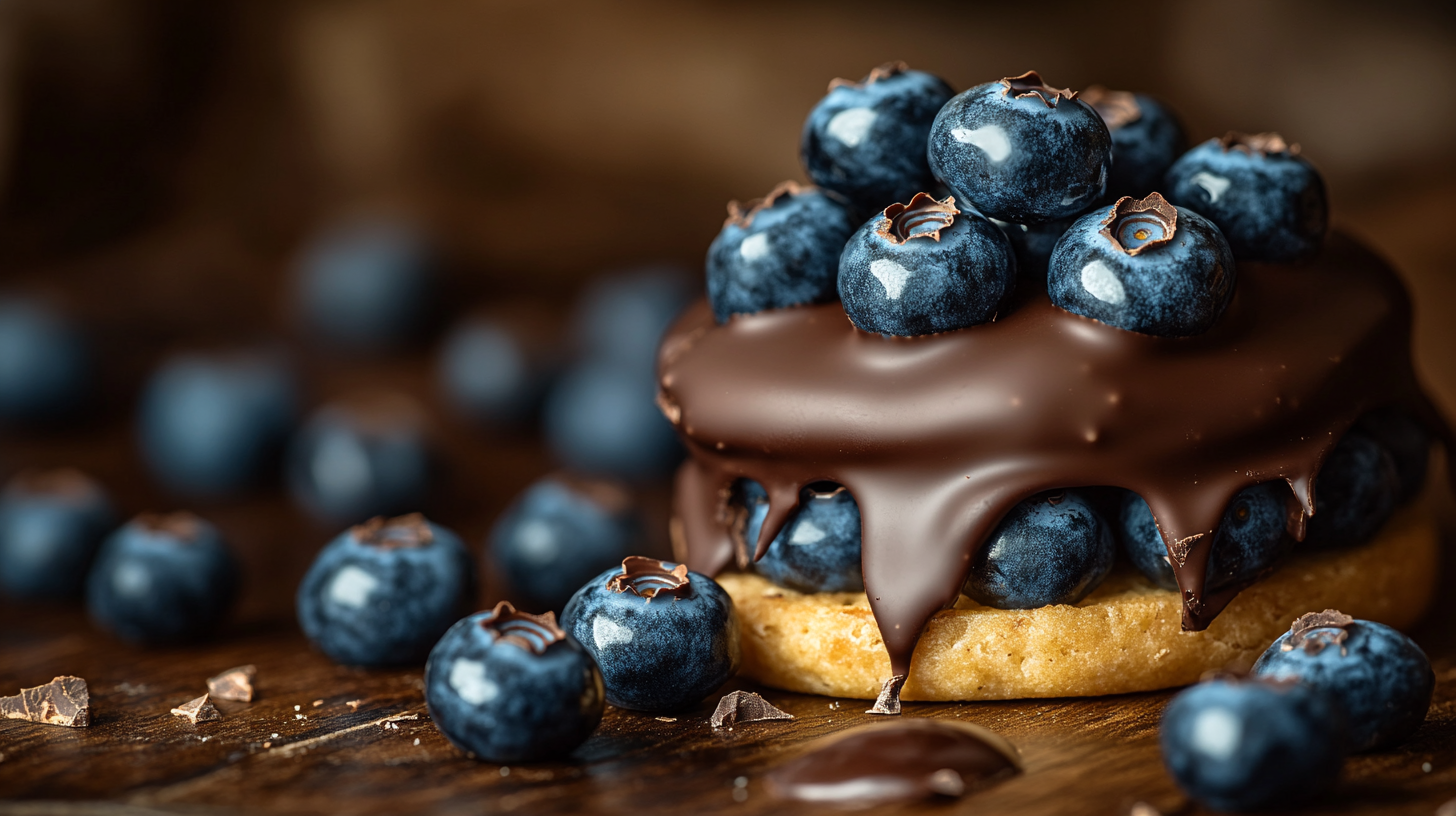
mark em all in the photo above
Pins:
pixel 1215 381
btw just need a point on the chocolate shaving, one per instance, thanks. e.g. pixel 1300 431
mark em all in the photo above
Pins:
pixel 899 222
pixel 878 73
pixel 745 707
pixel 1261 144
pixel 1316 630
pixel 1117 108
pixel 396 533
pixel 235 684
pixel 889 700
pixel 649 578
pixel 1031 84
pixel 534 633
pixel 741 215
pixel 198 710
pixel 64 701
pixel 1154 208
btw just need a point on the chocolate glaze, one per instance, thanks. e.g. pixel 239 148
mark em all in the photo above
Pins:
pixel 534 633
pixel 909 760
pixel 938 437
pixel 649 578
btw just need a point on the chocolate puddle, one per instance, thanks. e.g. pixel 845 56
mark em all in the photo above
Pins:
pixel 910 760
pixel 938 437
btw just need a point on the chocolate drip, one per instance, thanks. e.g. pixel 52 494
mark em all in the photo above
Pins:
pixel 938 437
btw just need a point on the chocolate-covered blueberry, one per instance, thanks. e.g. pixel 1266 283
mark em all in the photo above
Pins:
pixel 1144 266
pixel 1252 744
pixel 780 250
pixel 1408 442
pixel 1146 140
pixel 507 686
pixel 1021 151
pixel 1355 493
pixel 1266 199
pixel 664 637
pixel 45 362
pixel 818 550
pixel 162 579
pixel 365 284
pixel 1053 548
pixel 1379 677
pixel 1250 539
pixel 358 458
pixel 866 140
pixel 214 424
pixel 925 267
pixel 601 418
pixel 51 523
pixel 383 592
pixel 558 534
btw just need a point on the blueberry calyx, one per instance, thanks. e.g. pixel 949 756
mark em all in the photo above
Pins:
pixel 392 534
pixel 648 578
pixel 878 73
pixel 1031 84
pixel 741 214
pixel 1117 108
pixel 183 526
pixel 1314 631
pixel 534 633
pixel 1133 225
pixel 923 217
pixel 1258 144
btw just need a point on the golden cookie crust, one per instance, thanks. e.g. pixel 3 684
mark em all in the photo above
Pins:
pixel 1124 637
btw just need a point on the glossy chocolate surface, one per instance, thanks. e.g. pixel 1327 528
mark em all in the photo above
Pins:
pixel 938 437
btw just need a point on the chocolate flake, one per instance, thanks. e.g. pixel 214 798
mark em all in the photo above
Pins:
pixel 880 72
pixel 1260 144
pixel 198 710
pixel 648 578
pixel 1148 216
pixel 65 700
pixel 1316 630
pixel 901 222
pixel 396 533
pixel 889 700
pixel 741 215
pixel 1117 108
pixel 235 684
pixel 1031 84
pixel 745 707
pixel 534 633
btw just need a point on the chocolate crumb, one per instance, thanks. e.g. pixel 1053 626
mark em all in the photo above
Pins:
pixel 667 719
pixel 745 707
pixel 235 684
pixel 1316 630
pixel 64 701
pixel 198 710
pixel 889 700
pixel 354 704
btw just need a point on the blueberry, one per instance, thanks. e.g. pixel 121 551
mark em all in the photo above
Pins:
pixel 506 686
pixel 383 592
pixel 819 548
pixel 1265 198
pixel 365 284
pixel 493 374
pixel 866 140
pixel 362 458
pixel 621 318
pixel 1050 549
pixel 1146 140
pixel 45 362
pixel 558 534
pixel 1033 244
pixel 664 637
pixel 1250 744
pixel 1380 678
pixel 780 250
pixel 51 523
pixel 925 267
pixel 1250 539
pixel 602 418
pixel 1409 444
pixel 1144 266
pixel 1021 151
pixel 1355 493
pixel 162 579
pixel 210 425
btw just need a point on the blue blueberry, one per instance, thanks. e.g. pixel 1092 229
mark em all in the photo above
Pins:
pixel 621 318
pixel 1050 549
pixel 1144 266
pixel 601 418
pixel 382 592
pixel 1355 493
pixel 210 425
pixel 1381 679
pixel 1146 140
pixel 1409 444
pixel 1250 539
pixel 819 548
pixel 45 362
pixel 1265 198
pixel 925 267
pixel 1251 744
pixel 664 637
pixel 358 459
pixel 51 523
pixel 365 284
pixel 162 579
pixel 781 250
pixel 1033 244
pixel 493 374
pixel 506 686
pixel 866 140
pixel 560 533
pixel 1021 151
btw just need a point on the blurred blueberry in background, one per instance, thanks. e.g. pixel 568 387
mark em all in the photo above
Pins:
pixel 492 372
pixel 45 363
pixel 358 458
pixel 365 284
pixel 620 318
pixel 51 523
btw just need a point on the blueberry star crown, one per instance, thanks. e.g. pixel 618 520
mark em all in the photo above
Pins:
pixel 1316 630
pixel 649 578
pixel 880 72
pixel 923 217
pixel 1031 84
pixel 741 214
pixel 534 633
pixel 396 533
pixel 1257 144
pixel 182 525
pixel 1117 108
pixel 1134 225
